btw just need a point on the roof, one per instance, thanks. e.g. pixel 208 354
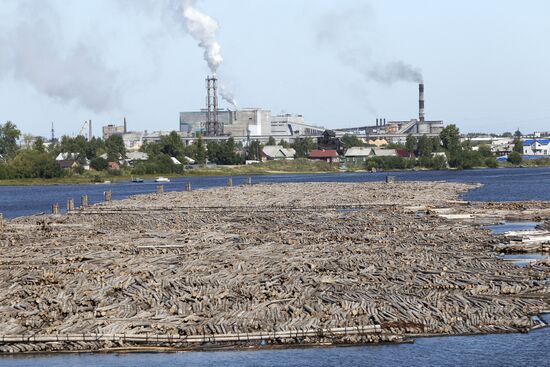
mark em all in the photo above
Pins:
pixel 323 153
pixel 137 156
pixel 278 151
pixel 384 152
pixel 67 163
pixel 66 156
pixel 540 141
pixel 175 160
pixel 358 152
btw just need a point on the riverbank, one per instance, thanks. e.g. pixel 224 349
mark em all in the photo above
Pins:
pixel 262 265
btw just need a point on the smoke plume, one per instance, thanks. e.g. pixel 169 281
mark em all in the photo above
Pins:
pixel 350 34
pixel 394 72
pixel 204 29
pixel 228 96
pixel 35 53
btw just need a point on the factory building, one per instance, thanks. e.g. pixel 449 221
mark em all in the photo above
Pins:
pixel 114 130
pixel 245 122
pixel 397 131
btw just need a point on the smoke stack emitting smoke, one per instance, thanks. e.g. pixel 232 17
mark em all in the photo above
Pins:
pixel 421 102
pixel 204 29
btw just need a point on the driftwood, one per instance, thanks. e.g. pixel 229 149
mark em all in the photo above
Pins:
pixel 262 259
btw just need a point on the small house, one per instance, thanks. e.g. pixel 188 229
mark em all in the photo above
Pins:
pixel 277 152
pixel 358 155
pixel 379 152
pixel 327 155
pixel 539 147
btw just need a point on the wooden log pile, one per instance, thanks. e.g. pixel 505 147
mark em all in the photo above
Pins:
pixel 292 263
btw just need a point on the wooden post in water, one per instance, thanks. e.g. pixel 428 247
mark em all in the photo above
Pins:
pixel 84 201
pixel 249 180
pixel 160 189
pixel 70 205
pixel 55 209
pixel 1 222
pixel 107 195
pixel 390 179
pixel 229 182
pixel 188 186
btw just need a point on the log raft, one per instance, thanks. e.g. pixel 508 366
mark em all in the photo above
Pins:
pixel 276 264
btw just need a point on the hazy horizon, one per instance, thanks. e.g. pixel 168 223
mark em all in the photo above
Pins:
pixel 339 64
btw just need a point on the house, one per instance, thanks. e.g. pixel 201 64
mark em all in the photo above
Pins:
pixel 277 152
pixel 358 155
pixel 113 166
pixel 327 155
pixel 379 152
pixel 378 142
pixel 538 147
pixel 66 156
pixel 67 163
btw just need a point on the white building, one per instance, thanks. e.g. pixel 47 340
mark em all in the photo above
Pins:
pixel 536 147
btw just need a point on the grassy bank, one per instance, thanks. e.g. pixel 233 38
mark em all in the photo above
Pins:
pixel 272 167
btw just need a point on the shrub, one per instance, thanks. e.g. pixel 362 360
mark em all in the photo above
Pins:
pixel 515 158
pixel 491 162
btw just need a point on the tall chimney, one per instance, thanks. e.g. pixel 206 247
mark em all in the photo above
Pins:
pixel 125 126
pixel 90 134
pixel 376 122
pixel 421 102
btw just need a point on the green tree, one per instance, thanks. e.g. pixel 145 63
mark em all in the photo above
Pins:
pixel 284 144
pixel 172 145
pixel 450 138
pixel 436 143
pixel 200 150
pixel 518 146
pixel 114 147
pixel 518 134
pixel 99 164
pixel 271 141
pixel 254 151
pixel 30 163
pixel 515 158
pixel 491 162
pixel 9 134
pixel 303 146
pixel 349 141
pixel 507 134
pixel 485 151
pixel 410 144
pixel 95 147
pixel 424 146
pixel 38 145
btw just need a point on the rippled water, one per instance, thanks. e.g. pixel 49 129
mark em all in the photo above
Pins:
pixel 503 184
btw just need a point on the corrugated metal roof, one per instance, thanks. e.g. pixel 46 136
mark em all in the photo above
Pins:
pixel 278 151
pixel 323 153
pixel 384 152
pixel 540 141
pixel 359 152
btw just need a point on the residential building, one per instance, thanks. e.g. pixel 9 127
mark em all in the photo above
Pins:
pixel 539 147
pixel 277 152
pixel 327 155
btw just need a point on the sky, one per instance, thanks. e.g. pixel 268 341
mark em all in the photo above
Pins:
pixel 485 64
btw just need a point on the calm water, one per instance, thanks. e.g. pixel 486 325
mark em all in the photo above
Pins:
pixel 500 185
pixel 531 349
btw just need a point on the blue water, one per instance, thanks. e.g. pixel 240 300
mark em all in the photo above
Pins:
pixel 503 184
pixel 531 349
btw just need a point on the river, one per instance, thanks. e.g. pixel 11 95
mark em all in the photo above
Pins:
pixel 503 184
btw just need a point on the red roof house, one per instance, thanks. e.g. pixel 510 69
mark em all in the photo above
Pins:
pixel 327 155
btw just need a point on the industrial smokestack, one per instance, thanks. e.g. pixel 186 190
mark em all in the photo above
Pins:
pixel 90 134
pixel 421 102
pixel 125 126
pixel 376 122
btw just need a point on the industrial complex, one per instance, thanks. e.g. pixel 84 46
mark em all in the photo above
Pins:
pixel 247 124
